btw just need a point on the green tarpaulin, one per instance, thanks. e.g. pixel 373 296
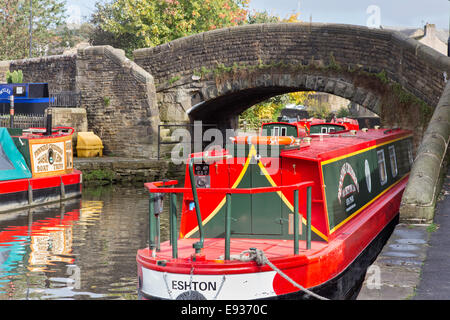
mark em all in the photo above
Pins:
pixel 12 163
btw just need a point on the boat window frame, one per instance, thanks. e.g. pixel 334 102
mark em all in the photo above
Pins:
pixel 383 161
pixel 410 155
pixel 275 131
pixel 285 131
pixel 393 156
pixel 322 130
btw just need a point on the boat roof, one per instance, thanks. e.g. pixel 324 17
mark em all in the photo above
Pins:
pixel 329 146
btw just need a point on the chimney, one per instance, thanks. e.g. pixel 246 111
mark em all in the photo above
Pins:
pixel 430 30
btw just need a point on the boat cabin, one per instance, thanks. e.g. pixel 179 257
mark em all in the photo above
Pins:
pixel 283 129
pixel 348 170
pixel 306 127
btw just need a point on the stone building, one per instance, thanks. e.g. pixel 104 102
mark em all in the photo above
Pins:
pixel 433 38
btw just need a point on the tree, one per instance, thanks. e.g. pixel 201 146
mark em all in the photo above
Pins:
pixel 261 17
pixel 147 23
pixel 48 15
pixel 318 109
pixel 102 36
pixel 292 18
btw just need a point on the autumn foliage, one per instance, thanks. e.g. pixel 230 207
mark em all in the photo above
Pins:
pixel 149 23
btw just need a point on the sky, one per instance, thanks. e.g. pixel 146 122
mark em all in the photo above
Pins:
pixel 394 13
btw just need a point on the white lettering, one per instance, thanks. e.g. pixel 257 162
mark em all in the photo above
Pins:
pixel 194 285
pixel 374 20
pixel 190 309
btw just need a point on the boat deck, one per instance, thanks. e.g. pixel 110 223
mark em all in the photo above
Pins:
pixel 214 248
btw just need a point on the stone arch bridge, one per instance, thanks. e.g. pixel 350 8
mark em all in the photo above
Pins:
pixel 214 76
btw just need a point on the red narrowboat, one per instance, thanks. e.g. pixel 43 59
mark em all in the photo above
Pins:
pixel 36 167
pixel 311 126
pixel 273 219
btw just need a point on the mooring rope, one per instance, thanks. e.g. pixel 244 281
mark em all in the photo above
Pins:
pixel 261 259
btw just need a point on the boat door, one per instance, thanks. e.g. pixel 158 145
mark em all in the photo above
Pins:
pixel 266 207
pixel 256 214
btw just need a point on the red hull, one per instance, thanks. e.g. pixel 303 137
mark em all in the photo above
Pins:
pixel 15 194
pixel 311 268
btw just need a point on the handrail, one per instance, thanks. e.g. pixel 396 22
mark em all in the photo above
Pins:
pixel 168 187
pixel 154 187
pixel 198 245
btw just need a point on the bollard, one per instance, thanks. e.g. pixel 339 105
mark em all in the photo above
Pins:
pixel 173 225
pixel 296 216
pixel 151 225
pixel 11 111
pixel 48 129
pixel 228 226
pixel 308 215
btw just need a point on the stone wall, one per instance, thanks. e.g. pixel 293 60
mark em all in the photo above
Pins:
pixel 424 185
pixel 70 117
pixel 4 68
pixel 58 71
pixel 120 101
pixel 107 170
pixel 118 95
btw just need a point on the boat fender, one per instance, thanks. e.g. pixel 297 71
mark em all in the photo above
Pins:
pixel 268 140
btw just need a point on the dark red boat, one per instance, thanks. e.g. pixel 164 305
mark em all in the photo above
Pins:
pixel 36 167
pixel 269 219
pixel 311 126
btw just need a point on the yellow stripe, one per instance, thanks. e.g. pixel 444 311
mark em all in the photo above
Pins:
pixel 367 204
pixel 222 202
pixel 362 150
pixel 325 199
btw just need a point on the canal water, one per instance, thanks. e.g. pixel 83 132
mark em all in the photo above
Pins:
pixel 84 249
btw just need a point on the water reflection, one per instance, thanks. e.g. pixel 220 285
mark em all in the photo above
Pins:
pixel 84 249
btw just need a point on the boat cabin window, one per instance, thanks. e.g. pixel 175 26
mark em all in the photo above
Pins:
pixel 382 167
pixel 410 155
pixel 393 160
pixel 283 131
pixel 275 131
pixel 324 130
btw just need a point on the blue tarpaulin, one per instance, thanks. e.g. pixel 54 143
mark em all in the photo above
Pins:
pixel 12 163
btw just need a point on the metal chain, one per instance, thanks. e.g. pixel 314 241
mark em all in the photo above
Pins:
pixel 220 288
pixel 167 285
pixel 190 281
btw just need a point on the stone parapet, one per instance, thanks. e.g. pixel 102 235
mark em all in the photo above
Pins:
pixel 425 180
pixel 120 100
pixel 375 50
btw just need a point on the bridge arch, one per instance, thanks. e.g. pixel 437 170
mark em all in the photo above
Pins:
pixel 226 97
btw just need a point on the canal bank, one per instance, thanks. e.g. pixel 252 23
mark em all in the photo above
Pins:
pixel 415 262
pixel 106 170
